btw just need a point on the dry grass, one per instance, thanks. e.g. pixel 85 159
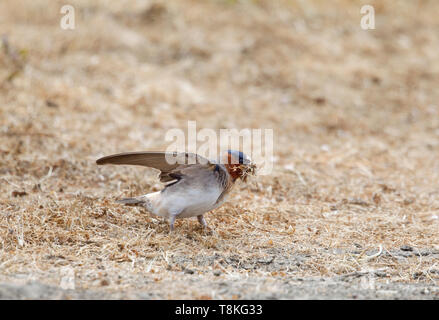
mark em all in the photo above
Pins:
pixel 355 114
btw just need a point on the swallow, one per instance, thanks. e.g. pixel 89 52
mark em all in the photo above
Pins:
pixel 194 185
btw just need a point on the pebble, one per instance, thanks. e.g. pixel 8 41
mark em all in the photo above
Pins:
pixel 189 271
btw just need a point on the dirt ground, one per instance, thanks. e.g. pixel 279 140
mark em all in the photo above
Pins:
pixel 350 211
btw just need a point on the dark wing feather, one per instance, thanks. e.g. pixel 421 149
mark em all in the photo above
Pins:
pixel 201 177
pixel 157 160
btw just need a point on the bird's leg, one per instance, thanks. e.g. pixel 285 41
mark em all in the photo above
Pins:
pixel 202 221
pixel 173 214
pixel 171 222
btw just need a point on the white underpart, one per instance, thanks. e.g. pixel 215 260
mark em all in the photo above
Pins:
pixel 183 203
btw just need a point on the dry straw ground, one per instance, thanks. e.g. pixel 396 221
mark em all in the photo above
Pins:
pixel 353 198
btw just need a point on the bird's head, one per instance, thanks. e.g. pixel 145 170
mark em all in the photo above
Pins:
pixel 238 164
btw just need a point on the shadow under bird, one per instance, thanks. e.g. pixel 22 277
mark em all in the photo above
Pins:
pixel 194 184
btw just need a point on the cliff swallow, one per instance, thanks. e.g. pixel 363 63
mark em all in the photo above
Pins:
pixel 194 185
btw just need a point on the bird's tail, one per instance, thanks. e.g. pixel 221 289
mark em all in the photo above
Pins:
pixel 148 201
pixel 132 201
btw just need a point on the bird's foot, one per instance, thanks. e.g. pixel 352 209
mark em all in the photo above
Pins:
pixel 204 225
pixel 202 221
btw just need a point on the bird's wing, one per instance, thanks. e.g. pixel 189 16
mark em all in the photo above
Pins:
pixel 169 163
pixel 201 177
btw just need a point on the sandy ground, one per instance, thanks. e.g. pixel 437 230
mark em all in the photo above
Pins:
pixel 351 209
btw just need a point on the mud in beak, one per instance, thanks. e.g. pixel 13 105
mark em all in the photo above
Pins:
pixel 248 170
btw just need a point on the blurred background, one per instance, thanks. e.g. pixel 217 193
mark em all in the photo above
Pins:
pixel 355 116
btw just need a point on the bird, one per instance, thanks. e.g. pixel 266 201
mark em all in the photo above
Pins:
pixel 194 185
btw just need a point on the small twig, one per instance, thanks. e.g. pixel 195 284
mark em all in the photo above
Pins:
pixel 12 184
pixel 148 269
pixel 300 178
